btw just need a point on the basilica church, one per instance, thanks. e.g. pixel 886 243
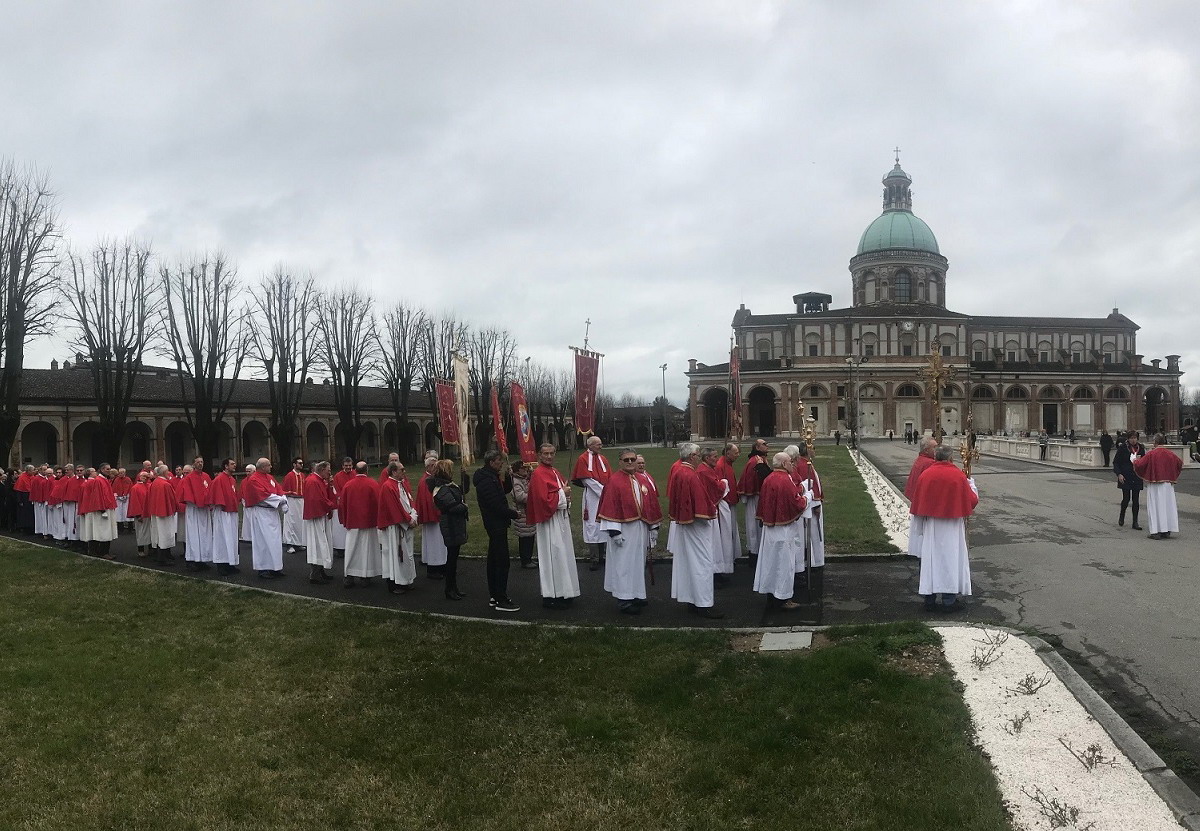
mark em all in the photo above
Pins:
pixel 863 366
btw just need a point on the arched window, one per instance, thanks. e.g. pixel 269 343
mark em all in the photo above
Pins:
pixel 1017 393
pixel 762 350
pixel 903 287
pixel 1117 394
pixel 982 392
pixel 908 391
pixel 816 391
pixel 1083 393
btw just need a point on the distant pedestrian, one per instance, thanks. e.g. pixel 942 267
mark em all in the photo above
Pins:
pixel 1106 446
pixel 1128 452
pixel 1043 443
pixel 525 530
pixel 837 437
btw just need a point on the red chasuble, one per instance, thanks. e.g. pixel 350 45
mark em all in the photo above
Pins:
pixel 72 489
pixel 943 492
pixel 293 484
pixel 1159 465
pixel 427 512
pixel 712 481
pixel 137 499
pixel 678 463
pixel 23 482
pixel 358 503
pixel 779 500
pixel 689 499
pixel 749 484
pixel 39 488
pixel 340 480
pixel 161 501
pixel 591 465
pixel 193 488
pixel 258 486
pixel 544 484
pixel 222 493
pixel 726 472
pixel 651 507
pixel 918 466
pixel 805 470
pixel 97 496
pixel 390 511
pixel 54 493
pixel 318 498
pixel 121 485
pixel 625 498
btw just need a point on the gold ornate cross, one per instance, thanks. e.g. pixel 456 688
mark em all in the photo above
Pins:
pixel 937 374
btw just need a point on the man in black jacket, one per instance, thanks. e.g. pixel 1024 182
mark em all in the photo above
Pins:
pixel 490 490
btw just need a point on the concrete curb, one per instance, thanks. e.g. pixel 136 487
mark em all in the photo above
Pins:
pixel 1184 804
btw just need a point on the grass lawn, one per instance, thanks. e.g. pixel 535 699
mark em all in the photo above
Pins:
pixel 851 524
pixel 136 700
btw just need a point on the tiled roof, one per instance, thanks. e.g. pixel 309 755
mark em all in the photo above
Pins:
pixel 163 387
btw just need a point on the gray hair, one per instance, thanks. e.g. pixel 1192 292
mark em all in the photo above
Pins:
pixel 943 453
pixel 431 454
pixel 780 459
pixel 490 456
pixel 792 450
pixel 595 439
pixel 687 449
pixel 263 463
pixel 626 450
pixel 1159 438
pixel 250 468
pixel 319 466
pixel 707 453
pixel 160 470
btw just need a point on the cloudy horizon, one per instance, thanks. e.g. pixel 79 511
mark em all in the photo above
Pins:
pixel 646 166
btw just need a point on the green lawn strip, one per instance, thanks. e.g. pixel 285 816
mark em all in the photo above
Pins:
pixel 132 699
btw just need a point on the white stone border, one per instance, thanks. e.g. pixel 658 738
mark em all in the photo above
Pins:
pixel 1037 761
pixel 890 504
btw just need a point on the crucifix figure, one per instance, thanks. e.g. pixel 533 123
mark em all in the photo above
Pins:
pixel 587 328
pixel 897 155
pixel 937 374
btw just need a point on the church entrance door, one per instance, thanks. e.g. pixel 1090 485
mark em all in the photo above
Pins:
pixel 1050 418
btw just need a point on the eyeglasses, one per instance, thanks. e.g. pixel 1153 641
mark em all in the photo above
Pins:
pixel 628 460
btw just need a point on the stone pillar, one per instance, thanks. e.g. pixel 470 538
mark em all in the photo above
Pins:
pixel 778 413
pixel 699 421
pixel 694 407
pixel 160 440
pixel 790 399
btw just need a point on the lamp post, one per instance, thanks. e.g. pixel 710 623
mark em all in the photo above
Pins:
pixel 855 362
pixel 664 403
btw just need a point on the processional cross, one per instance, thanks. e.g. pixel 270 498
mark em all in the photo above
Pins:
pixel 937 374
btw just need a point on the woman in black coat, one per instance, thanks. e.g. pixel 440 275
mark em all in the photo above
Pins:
pixel 1128 480
pixel 448 497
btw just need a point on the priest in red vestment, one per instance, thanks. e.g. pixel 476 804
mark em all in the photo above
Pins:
pixel 693 508
pixel 264 501
pixel 780 504
pixel 548 510
pixel 396 519
pixel 944 497
pixel 591 473
pixel 336 526
pixel 1159 470
pixel 433 546
pixel 755 470
pixel 358 506
pixel 625 505
pixel 923 460
pixel 98 513
pixel 319 505
pixel 223 511
pixel 293 520
pixel 162 511
pixel 137 512
pixel 197 517
pixel 121 485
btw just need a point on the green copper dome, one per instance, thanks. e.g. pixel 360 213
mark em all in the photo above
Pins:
pixel 898 229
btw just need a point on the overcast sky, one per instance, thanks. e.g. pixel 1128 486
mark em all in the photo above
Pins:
pixel 647 165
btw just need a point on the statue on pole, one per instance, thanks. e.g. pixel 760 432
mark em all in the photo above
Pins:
pixel 937 374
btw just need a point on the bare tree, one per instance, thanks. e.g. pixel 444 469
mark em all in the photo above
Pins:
pixel 493 355
pixel 440 338
pixel 561 402
pixel 284 343
pixel 628 399
pixel 348 349
pixel 109 295
pixel 402 333
pixel 204 326
pixel 29 240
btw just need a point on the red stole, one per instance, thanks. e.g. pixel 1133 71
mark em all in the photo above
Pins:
pixel 779 500
pixel 97 496
pixel 161 501
pixel 222 493
pixel 749 484
pixel 918 467
pixel 318 497
pixel 427 512
pixel 293 484
pixel 1159 465
pixel 121 485
pixel 689 499
pixel 258 486
pixel 624 498
pixel 358 503
pixel 591 465
pixel 391 509
pixel 544 485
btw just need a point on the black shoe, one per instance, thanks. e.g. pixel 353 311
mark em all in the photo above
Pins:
pixel 204 566
pixel 507 605
pixel 628 607
pixel 529 564
pixel 710 612
pixel 191 566
pixel 349 583
pixel 552 603
pixel 454 595
pixel 339 554
pixel 1136 527
pixel 435 576
pixel 1121 520
pixel 267 575
pixel 394 587
pixel 224 570
pixel 1157 536
pixel 640 601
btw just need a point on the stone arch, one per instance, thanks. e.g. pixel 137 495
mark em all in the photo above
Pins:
pixel 226 442
pixel 716 412
pixel 179 447
pixel 761 402
pixel 1050 393
pixel 391 437
pixel 982 392
pixel 951 391
pixel 909 390
pixel 86 446
pixel 138 444
pixel 368 442
pixel 814 391
pixel 763 350
pixel 1083 393
pixel 39 443
pixel 1116 394
pixel 410 437
pixel 432 442
pixel 316 442
pixel 1016 393
pixel 255 441
pixel 1156 400
pixel 870 390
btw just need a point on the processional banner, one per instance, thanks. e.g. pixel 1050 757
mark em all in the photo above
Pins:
pixel 523 424
pixel 587 370
pixel 498 425
pixel 447 411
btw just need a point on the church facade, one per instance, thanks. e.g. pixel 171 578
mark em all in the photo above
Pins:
pixel 862 366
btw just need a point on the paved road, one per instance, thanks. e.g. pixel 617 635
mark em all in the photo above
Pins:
pixel 1047 553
